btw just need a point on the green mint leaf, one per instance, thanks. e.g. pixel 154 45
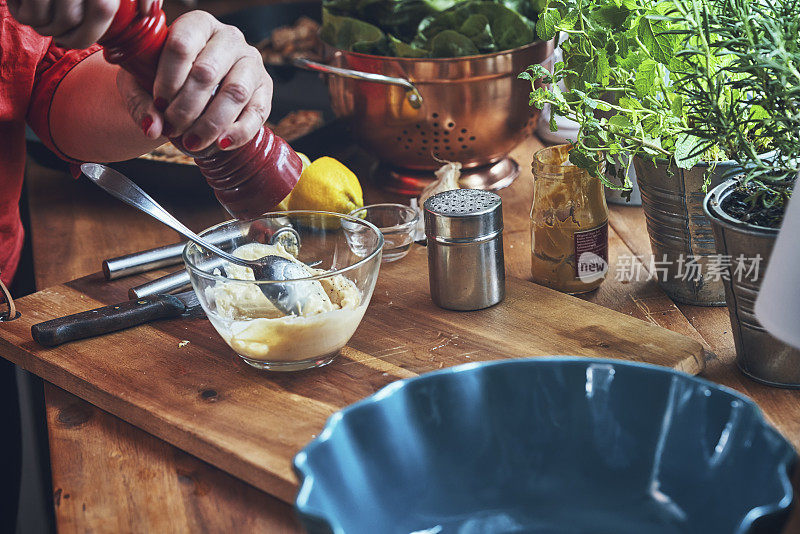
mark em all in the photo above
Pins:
pixel 651 125
pixel 659 46
pixel 667 8
pixel 630 103
pixel 576 73
pixel 569 21
pixel 620 121
pixel 558 96
pixel 652 142
pixel 539 97
pixel 602 68
pixel 536 72
pixel 688 150
pixel 677 105
pixel 603 106
pixel 583 160
pixel 645 78
pixel 546 25
pixel 630 61
pixel 591 103
pixel 612 16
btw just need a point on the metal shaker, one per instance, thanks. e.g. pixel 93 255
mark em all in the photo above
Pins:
pixel 466 268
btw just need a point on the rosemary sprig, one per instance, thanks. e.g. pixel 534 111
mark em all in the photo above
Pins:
pixel 760 44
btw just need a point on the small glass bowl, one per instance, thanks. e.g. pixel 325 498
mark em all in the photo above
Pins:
pixel 346 248
pixel 396 222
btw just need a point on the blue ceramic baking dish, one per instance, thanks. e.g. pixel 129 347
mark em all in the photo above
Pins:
pixel 555 445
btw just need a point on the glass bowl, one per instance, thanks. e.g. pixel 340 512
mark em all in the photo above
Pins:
pixel 344 255
pixel 396 222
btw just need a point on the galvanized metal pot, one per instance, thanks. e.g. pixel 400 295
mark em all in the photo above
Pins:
pixel 680 234
pixel 410 111
pixel 615 196
pixel 778 304
pixel 758 354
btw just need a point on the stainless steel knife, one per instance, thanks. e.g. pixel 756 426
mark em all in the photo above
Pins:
pixel 115 317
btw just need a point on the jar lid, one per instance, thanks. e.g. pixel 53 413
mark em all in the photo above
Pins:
pixel 463 214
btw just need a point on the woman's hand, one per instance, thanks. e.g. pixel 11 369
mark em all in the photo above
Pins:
pixel 210 87
pixel 71 23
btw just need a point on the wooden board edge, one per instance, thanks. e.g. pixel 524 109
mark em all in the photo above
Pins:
pixel 255 475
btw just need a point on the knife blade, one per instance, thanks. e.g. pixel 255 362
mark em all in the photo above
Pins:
pixel 115 317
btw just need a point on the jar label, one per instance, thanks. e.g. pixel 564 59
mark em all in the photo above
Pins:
pixel 591 253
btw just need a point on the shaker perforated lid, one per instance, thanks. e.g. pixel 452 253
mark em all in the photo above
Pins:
pixel 463 214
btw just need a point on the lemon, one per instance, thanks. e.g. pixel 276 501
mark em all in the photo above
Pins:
pixel 325 185
pixel 284 205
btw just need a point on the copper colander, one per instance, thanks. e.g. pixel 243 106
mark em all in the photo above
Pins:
pixel 409 112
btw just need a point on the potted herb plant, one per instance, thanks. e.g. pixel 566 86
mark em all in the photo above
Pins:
pixel 620 65
pixel 761 49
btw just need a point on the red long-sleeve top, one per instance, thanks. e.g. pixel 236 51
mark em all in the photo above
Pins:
pixel 31 67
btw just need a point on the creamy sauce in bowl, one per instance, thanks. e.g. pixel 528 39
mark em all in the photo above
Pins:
pixel 255 329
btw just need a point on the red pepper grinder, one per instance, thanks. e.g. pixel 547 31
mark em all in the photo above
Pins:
pixel 247 181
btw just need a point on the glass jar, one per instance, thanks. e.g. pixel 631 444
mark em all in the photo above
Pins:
pixel 569 224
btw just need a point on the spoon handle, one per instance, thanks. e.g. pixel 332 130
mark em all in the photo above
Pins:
pixel 124 189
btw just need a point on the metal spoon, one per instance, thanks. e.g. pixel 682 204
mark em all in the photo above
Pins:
pixel 288 298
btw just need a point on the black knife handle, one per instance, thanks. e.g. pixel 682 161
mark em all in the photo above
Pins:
pixel 106 319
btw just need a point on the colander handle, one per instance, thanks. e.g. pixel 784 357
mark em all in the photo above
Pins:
pixel 413 96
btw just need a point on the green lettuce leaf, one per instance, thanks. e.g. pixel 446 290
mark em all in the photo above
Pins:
pixel 401 49
pixel 478 30
pixel 508 28
pixel 412 28
pixel 397 17
pixel 353 35
pixel 450 43
pixel 526 8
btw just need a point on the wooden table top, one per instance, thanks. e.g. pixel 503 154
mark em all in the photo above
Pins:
pixel 108 474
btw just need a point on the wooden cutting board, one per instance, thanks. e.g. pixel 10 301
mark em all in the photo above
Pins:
pixel 200 397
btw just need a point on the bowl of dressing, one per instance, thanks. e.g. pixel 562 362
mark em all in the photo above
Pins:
pixel 339 256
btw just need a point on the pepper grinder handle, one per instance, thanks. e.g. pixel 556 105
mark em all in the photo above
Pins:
pixel 247 181
pixel 134 42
